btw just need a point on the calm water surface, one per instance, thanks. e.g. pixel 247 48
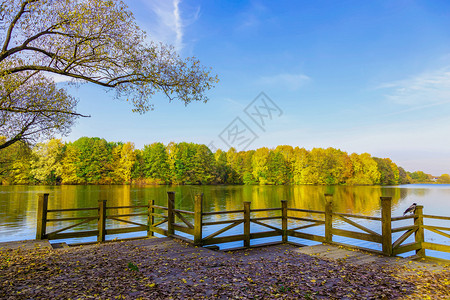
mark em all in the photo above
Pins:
pixel 18 205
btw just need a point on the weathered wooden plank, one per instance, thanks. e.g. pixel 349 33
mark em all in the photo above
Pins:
pixel 402 238
pixel 225 239
pixel 436 247
pixel 235 223
pixel 198 219
pixel 402 218
pixel 170 213
pixel 435 230
pixel 264 234
pixel 436 227
pixel 307 210
pixel 159 207
pixel 222 212
pixel 120 207
pixel 410 227
pixel 184 211
pixel 185 221
pixel 328 218
pixel 69 235
pixel 159 230
pixel 159 215
pixel 101 224
pixel 126 221
pixel 305 219
pixel 406 248
pixel 284 221
pixel 126 229
pixel 159 223
pixel 419 234
pixel 386 225
pixel 150 218
pixel 72 209
pixel 265 218
pixel 71 226
pixel 41 217
pixel 358 216
pixel 267 225
pixel 265 209
pixel 436 217
pixel 222 222
pixel 247 223
pixel 183 228
pixel 357 235
pixel 308 226
pixel 306 236
pixel 127 215
pixel 358 226
pixel 72 219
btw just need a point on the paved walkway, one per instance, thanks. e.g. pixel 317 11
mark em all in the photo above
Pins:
pixel 327 252
pixel 356 257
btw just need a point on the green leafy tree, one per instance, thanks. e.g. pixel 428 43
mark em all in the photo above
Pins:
pixel 289 159
pixel 46 167
pixel 235 166
pixel 156 165
pixel 70 163
pixel 222 167
pixel 299 164
pixel 365 170
pixel 277 169
pixel 444 178
pixel 124 158
pixel 389 173
pixel 203 167
pixel 260 166
pixel 15 164
pixel 95 160
pixel 95 41
pixel 420 177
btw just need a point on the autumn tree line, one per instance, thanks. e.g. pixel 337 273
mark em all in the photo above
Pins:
pixel 97 161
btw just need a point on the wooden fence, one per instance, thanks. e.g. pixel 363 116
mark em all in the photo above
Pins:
pixel 168 221
pixel 99 215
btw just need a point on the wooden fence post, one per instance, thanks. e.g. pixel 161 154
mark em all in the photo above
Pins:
pixel 170 213
pixel 328 218
pixel 41 216
pixel 386 225
pixel 101 220
pixel 284 221
pixel 247 224
pixel 198 211
pixel 419 234
pixel 150 218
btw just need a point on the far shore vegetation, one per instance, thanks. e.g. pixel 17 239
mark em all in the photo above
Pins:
pixel 97 161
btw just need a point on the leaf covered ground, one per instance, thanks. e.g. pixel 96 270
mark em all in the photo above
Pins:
pixel 165 269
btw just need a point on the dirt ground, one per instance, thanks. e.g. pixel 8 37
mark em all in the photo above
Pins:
pixel 168 269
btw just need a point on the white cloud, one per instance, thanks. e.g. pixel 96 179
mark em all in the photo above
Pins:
pixel 285 80
pixel 168 23
pixel 423 89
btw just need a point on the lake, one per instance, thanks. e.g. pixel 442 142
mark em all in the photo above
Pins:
pixel 18 204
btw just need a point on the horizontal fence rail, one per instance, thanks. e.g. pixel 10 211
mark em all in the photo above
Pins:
pixel 98 214
pixel 169 221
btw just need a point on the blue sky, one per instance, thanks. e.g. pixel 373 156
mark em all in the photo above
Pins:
pixel 361 76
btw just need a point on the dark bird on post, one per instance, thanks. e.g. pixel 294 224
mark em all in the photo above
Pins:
pixel 410 209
